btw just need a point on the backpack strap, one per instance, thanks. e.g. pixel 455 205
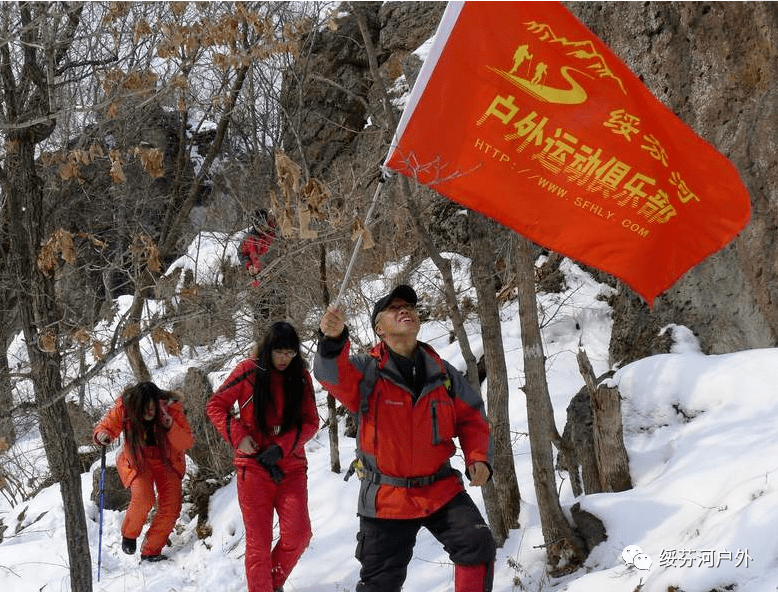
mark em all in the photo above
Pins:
pixel 237 380
pixel 366 386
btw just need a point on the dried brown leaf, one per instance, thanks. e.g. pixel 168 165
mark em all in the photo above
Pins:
pixel 151 252
pixel 48 340
pixel 117 173
pixel 59 242
pixel 49 158
pixel 68 171
pixel 358 229
pixel 167 339
pixel 47 259
pixel 286 222
pixel 180 82
pixel 289 174
pixel 80 156
pixel 98 350
pixel 189 293
pixel 96 150
pixel 81 336
pixel 142 29
pixel 131 331
pixel 152 160
pixel 316 195
pixel 178 8
pixel 66 247
pixel 305 220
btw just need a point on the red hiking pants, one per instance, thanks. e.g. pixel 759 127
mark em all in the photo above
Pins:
pixel 155 473
pixel 259 496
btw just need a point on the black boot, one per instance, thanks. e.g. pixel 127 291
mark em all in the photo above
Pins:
pixel 153 558
pixel 128 546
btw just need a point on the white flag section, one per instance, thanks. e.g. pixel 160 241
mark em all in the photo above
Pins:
pixel 450 17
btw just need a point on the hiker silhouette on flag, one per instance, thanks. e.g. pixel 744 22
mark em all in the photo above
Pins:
pixel 522 53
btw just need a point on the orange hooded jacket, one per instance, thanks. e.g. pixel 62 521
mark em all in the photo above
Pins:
pixel 179 438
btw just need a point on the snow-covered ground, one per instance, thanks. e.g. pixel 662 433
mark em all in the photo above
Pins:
pixel 700 433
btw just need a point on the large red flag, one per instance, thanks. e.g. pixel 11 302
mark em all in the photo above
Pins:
pixel 521 113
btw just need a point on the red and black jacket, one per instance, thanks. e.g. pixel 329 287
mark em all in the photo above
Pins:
pixel 405 443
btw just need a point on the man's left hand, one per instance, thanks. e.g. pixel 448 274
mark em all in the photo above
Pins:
pixel 479 474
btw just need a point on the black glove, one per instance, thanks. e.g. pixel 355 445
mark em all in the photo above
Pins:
pixel 276 474
pixel 271 455
pixel 269 459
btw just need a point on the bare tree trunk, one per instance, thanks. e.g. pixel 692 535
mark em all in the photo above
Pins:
pixel 505 481
pixel 134 356
pixel 40 321
pixel 27 103
pixel 332 408
pixel 175 216
pixel 7 432
pixel 576 449
pixel 609 449
pixel 564 549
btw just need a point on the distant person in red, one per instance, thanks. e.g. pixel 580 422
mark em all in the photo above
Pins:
pixel 257 243
pixel 276 416
pixel 156 434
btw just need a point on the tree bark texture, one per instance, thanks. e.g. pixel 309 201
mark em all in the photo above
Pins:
pixel 40 320
pixel 607 429
pixel 504 477
pixel 564 549
pixel 576 454
pixel 27 104
pixel 7 431
pixel 140 369
pixel 332 407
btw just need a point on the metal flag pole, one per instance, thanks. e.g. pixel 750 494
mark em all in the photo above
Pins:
pixel 358 245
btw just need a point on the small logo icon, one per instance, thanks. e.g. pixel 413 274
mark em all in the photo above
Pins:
pixel 634 556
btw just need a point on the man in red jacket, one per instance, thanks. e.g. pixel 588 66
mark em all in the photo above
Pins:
pixel 411 404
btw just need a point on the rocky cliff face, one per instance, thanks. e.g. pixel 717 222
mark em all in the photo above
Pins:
pixel 714 65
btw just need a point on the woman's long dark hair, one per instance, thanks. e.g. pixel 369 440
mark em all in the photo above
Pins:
pixel 135 399
pixel 281 335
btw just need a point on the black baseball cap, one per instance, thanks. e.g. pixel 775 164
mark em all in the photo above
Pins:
pixel 402 291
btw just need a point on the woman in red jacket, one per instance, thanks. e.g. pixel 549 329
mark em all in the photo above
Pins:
pixel 277 416
pixel 156 434
pixel 256 244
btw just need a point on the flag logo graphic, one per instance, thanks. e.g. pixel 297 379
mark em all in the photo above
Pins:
pixel 521 113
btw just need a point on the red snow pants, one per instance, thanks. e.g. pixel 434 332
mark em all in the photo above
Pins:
pixel 159 474
pixel 259 496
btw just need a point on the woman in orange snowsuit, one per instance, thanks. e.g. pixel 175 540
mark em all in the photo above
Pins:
pixel 156 435
pixel 277 416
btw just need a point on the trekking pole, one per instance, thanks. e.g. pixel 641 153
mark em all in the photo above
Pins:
pixel 355 252
pixel 102 500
